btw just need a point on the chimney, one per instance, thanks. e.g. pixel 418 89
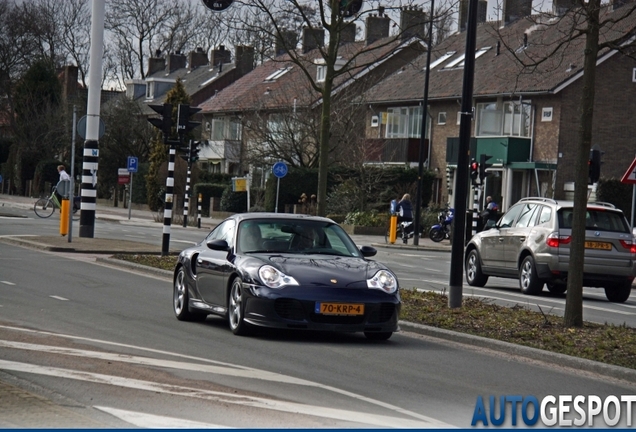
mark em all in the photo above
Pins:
pixel 220 56
pixel 348 33
pixel 514 10
pixel 482 10
pixel 313 38
pixel 413 23
pixel 244 59
pixel 197 58
pixel 156 63
pixel 377 28
pixel 176 61
pixel 69 81
pixel 286 39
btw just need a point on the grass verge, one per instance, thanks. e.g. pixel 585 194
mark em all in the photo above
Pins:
pixel 605 343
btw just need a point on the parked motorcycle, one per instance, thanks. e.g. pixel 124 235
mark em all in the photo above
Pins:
pixel 442 230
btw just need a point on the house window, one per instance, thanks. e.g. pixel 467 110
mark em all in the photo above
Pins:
pixel 150 90
pixel 404 122
pixel 441 118
pixel 507 119
pixel 321 72
pixel 442 59
pixel 224 128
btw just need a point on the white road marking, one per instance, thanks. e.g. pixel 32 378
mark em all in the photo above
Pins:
pixel 151 421
pixel 59 298
pixel 249 372
pixel 7 283
pixel 254 402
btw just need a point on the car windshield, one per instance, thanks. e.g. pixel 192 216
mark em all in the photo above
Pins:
pixel 295 236
pixel 596 219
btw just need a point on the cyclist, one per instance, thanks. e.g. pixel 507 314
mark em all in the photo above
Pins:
pixel 61 169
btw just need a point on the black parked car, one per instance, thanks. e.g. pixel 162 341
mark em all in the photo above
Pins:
pixel 286 271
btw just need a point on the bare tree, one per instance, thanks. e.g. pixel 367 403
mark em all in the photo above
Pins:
pixel 275 19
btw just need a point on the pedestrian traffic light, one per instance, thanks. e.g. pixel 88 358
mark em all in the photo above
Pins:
pixel 594 166
pixel 483 166
pixel 165 122
pixel 349 8
pixel 474 171
pixel 184 125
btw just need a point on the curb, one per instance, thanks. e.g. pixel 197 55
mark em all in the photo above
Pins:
pixel 71 249
pixel 578 363
pixel 134 266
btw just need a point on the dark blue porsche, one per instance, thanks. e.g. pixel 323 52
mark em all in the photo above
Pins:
pixel 286 271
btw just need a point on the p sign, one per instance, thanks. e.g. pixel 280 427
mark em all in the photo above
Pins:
pixel 132 164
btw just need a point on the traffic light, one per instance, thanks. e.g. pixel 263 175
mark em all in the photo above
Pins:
pixel 474 171
pixel 184 152
pixel 594 166
pixel 194 151
pixel 349 8
pixel 483 166
pixel 165 122
pixel 184 125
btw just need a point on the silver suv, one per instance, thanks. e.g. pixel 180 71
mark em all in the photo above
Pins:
pixel 531 242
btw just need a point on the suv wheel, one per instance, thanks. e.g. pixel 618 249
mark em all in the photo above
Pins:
pixel 528 279
pixel 474 275
pixel 619 293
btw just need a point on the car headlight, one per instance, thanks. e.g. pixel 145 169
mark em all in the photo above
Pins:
pixel 272 278
pixel 383 280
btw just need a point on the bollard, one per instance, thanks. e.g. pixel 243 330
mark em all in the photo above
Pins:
pixel 200 199
pixel 64 216
pixel 393 229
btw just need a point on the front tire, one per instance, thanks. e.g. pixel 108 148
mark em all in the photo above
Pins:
pixel 44 207
pixel 528 279
pixel 436 234
pixel 236 308
pixel 619 293
pixel 474 275
pixel 181 299
pixel 378 336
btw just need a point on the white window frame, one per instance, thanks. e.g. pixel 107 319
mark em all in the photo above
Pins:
pixel 442 59
pixel 321 73
pixel 441 118
pixel 455 62
pixel 404 122
pixel 510 118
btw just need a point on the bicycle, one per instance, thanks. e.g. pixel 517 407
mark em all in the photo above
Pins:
pixel 44 207
pixel 399 234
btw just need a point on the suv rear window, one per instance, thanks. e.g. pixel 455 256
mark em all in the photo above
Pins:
pixel 596 219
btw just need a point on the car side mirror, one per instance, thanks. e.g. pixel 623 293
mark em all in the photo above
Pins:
pixel 368 251
pixel 218 244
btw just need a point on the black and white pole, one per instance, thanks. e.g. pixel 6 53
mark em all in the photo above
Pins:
pixel 199 211
pixel 186 200
pixel 91 148
pixel 476 194
pixel 167 210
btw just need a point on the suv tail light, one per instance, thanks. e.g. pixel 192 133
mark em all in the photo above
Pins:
pixel 629 244
pixel 555 240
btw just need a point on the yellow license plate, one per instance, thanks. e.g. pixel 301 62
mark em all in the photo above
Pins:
pixel 339 308
pixel 598 245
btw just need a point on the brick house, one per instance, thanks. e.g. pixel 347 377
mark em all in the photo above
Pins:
pixel 527 120
pixel 275 108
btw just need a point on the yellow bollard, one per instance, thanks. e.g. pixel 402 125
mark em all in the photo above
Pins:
pixel 393 229
pixel 64 217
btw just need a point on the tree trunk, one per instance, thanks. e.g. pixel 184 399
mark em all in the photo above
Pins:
pixel 574 301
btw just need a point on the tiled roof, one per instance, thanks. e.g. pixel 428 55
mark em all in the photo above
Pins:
pixel 501 74
pixel 254 90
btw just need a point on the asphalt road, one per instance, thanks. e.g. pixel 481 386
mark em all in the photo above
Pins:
pixel 105 341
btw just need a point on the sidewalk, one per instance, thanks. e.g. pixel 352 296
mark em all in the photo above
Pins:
pixel 144 217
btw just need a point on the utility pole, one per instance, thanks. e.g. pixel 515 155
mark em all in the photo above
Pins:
pixel 457 251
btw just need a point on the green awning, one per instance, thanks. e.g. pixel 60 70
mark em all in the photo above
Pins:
pixel 532 166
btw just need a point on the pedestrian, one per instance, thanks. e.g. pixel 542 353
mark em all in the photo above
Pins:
pixel 63 174
pixel 491 211
pixel 405 214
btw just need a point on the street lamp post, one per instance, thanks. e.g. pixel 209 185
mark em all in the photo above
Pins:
pixel 420 174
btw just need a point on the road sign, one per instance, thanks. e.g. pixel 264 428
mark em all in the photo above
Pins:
pixel 132 164
pixel 123 176
pixel 280 169
pixel 81 128
pixel 630 175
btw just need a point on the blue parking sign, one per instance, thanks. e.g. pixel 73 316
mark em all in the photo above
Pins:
pixel 132 164
pixel 280 169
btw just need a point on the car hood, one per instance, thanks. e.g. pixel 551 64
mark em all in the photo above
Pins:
pixel 321 270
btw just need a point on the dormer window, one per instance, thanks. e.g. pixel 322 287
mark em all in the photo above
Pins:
pixel 321 73
pixel 442 59
pixel 279 73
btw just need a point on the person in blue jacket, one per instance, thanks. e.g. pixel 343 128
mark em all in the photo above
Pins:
pixel 405 214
